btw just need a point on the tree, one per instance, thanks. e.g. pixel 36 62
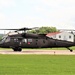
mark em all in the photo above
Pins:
pixel 44 30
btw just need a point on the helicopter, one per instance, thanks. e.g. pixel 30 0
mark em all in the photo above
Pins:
pixel 21 39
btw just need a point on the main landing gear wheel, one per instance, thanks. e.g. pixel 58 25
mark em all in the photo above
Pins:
pixel 17 49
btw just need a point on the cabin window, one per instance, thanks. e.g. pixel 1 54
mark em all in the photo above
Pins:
pixel 24 40
pixel 15 40
pixel 29 40
pixel 69 37
pixel 59 36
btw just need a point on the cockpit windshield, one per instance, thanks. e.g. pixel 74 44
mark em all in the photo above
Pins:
pixel 5 38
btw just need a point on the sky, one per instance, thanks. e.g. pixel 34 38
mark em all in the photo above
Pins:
pixel 37 13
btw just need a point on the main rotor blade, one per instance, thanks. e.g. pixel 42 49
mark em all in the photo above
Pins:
pixel 8 29
pixel 21 29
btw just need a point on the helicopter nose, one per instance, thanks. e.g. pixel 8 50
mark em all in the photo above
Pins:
pixel 1 44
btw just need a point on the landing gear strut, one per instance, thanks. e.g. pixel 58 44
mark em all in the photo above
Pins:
pixel 70 49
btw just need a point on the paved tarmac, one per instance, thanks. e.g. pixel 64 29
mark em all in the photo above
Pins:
pixel 39 52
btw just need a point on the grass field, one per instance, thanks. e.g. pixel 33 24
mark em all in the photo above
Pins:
pixel 37 65
pixel 41 48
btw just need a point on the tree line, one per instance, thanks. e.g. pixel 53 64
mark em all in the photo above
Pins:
pixel 43 30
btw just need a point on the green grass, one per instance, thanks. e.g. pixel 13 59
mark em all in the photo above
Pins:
pixel 73 48
pixel 37 65
pixel 41 48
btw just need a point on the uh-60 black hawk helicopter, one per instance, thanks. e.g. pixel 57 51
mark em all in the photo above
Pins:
pixel 20 40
